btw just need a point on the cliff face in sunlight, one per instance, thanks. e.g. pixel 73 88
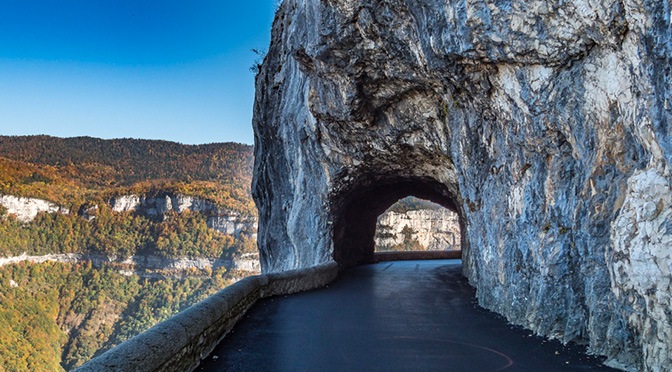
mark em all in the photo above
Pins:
pixel 419 229
pixel 544 124
pixel 26 209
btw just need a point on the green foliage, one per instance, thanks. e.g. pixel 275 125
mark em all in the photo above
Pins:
pixel 119 234
pixel 80 172
pixel 408 244
pixel 72 171
pixel 96 307
pixel 59 315
pixel 260 54
pixel 30 338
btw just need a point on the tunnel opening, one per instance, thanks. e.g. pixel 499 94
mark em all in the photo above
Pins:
pixel 356 215
pixel 417 228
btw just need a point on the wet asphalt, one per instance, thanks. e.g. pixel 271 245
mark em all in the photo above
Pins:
pixel 390 316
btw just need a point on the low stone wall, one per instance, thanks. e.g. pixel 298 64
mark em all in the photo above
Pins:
pixel 182 341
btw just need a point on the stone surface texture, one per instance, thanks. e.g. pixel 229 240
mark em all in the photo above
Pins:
pixel 225 221
pixel 544 124
pixel 26 209
pixel 434 229
pixel 145 265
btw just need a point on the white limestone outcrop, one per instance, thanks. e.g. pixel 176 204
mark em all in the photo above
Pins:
pixel 434 229
pixel 225 221
pixel 26 209
pixel 140 264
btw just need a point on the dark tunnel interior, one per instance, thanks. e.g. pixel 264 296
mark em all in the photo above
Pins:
pixel 356 213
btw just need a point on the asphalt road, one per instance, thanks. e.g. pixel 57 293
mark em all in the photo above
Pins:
pixel 390 316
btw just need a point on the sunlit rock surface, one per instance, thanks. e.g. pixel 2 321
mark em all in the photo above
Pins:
pixel 26 209
pixel 432 229
pixel 544 124
pixel 224 221
pixel 145 265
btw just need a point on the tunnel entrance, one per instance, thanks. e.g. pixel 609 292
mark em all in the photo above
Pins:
pixel 356 215
pixel 417 225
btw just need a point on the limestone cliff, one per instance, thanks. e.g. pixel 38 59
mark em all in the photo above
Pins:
pixel 225 221
pixel 544 124
pixel 26 209
pixel 433 229
pixel 145 265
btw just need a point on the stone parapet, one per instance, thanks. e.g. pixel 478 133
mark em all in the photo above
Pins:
pixel 182 341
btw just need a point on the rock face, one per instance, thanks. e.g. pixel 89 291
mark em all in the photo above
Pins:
pixel 225 221
pixel 144 264
pixel 544 124
pixel 160 204
pixel 26 209
pixel 434 229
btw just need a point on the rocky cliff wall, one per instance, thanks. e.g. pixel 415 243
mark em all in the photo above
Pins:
pixel 160 204
pixel 544 124
pixel 26 209
pixel 225 221
pixel 433 229
pixel 144 265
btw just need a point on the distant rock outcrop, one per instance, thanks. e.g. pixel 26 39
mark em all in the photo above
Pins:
pixel 145 265
pixel 433 229
pixel 125 203
pixel 225 221
pixel 545 124
pixel 162 203
pixel 26 209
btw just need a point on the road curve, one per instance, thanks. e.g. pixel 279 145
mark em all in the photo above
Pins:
pixel 390 316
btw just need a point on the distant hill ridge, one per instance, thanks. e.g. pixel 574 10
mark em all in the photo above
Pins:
pixel 134 159
pixel 412 203
pixel 72 171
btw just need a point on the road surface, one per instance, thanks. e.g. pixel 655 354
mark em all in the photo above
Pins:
pixel 390 316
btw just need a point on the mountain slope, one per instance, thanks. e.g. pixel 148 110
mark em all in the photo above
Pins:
pixel 122 200
pixel 72 171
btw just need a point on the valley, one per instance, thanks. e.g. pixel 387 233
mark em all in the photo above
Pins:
pixel 101 239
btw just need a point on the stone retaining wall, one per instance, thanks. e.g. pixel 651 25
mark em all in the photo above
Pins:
pixel 182 341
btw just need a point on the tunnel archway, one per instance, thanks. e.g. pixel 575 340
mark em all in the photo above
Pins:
pixel 356 212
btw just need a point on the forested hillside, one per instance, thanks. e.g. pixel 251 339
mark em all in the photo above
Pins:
pixel 72 171
pixel 119 234
pixel 58 315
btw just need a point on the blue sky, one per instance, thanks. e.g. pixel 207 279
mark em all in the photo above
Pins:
pixel 164 69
